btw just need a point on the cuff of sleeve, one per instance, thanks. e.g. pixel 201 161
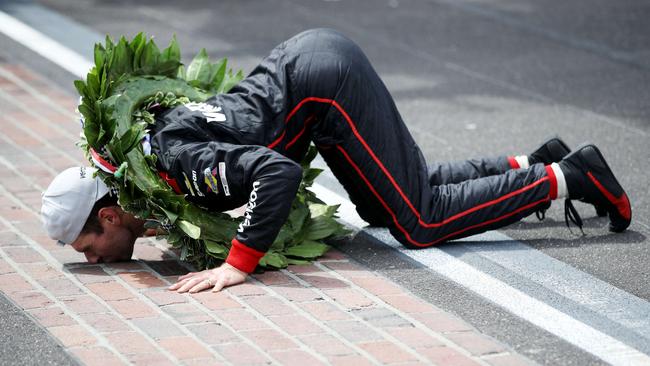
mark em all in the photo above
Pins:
pixel 242 257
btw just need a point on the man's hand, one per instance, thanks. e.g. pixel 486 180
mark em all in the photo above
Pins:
pixel 216 279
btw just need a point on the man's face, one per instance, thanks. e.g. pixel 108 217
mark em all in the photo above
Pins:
pixel 113 245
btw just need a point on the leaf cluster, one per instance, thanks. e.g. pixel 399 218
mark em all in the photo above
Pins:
pixel 128 79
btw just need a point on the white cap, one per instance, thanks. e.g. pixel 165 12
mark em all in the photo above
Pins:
pixel 67 202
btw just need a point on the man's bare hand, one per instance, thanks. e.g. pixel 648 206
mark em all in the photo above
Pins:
pixel 216 279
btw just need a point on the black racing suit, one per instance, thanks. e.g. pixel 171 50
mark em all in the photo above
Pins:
pixel 318 86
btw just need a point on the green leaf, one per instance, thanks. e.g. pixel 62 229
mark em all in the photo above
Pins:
pixel 132 138
pixel 181 72
pixel 137 46
pixel 172 52
pixel 80 85
pixel 150 57
pixel 214 247
pixel 307 249
pixel 311 154
pixel 297 217
pixel 320 228
pixel 99 56
pixel 170 215
pixel 188 228
pixel 310 174
pixel 273 260
pixel 199 69
pixel 230 81
pixel 299 262
pixel 217 75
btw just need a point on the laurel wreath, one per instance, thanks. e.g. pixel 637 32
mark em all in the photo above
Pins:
pixel 118 97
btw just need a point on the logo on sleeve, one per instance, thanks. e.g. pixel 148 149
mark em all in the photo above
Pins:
pixel 210 112
pixel 211 180
pixel 196 184
pixel 188 185
pixel 224 180
pixel 249 207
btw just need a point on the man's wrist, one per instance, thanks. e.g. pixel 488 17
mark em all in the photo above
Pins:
pixel 243 257
pixel 228 266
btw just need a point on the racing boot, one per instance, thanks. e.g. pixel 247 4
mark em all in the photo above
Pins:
pixel 552 151
pixel 589 179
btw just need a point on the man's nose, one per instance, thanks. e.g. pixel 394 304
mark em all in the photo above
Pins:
pixel 93 259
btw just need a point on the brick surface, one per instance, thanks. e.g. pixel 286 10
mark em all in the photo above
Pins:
pixel 184 348
pixel 242 354
pixel 12 282
pixel 508 360
pixel 477 344
pixel 296 357
pixel 165 297
pixel 442 322
pixel 105 322
pixel 269 339
pixel 295 324
pixel 150 359
pixel 110 291
pixel 242 320
pixel 158 327
pixel 447 356
pixel 324 281
pixel 133 308
pixel 61 287
pixel 84 304
pixel 187 313
pixel 354 331
pixel 327 345
pixel 246 289
pixel 381 317
pixel 31 299
pixel 214 333
pixel 324 311
pixel 414 337
pixel 52 317
pixel 377 285
pixel 408 304
pixel 216 300
pixel 90 274
pixel 42 271
pixel 5 267
pixel 131 343
pixel 23 255
pixel 270 278
pixel 96 356
pixel 268 305
pixel 73 335
pixel 297 293
pixel 349 298
pixel 349 360
pixel 141 279
pixel 387 352
pixel 304 268
pixel 348 269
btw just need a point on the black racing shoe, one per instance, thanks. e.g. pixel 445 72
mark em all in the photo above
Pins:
pixel 589 179
pixel 551 151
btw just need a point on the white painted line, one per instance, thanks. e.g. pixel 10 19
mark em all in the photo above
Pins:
pixel 542 315
pixel 44 46
pixel 597 296
pixel 520 304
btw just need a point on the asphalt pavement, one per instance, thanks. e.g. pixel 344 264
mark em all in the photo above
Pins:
pixel 470 79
